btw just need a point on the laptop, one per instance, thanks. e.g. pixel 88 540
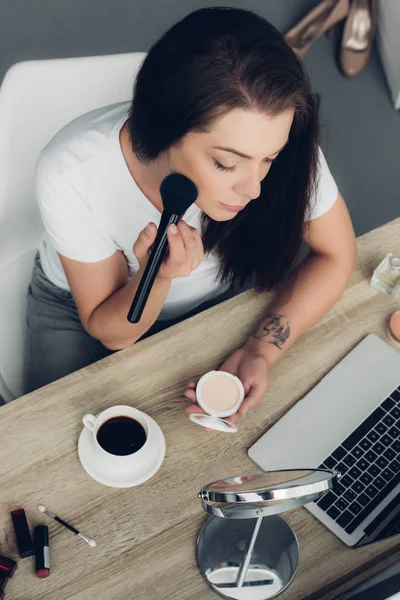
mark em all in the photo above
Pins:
pixel 384 585
pixel 349 422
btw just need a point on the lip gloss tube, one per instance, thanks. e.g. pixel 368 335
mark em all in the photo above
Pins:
pixel 42 553
pixel 22 533
pixel 7 566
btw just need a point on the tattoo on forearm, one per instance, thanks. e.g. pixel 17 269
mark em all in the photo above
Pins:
pixel 275 330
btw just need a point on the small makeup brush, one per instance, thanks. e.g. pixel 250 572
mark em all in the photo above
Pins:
pixel 87 539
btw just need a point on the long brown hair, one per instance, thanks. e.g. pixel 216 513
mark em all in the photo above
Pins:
pixel 212 61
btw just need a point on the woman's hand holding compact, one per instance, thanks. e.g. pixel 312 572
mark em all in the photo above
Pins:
pixel 252 370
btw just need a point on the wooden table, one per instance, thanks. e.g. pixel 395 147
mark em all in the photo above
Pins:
pixel 146 535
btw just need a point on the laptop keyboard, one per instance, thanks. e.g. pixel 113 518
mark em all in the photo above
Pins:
pixel 369 460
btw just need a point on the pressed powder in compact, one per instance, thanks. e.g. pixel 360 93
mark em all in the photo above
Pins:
pixel 394 328
pixel 219 394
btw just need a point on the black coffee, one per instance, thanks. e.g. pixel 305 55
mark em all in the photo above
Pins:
pixel 121 436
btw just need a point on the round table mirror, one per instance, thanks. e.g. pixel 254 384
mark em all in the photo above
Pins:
pixel 246 550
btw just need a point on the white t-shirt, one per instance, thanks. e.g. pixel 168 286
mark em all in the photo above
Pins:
pixel 91 206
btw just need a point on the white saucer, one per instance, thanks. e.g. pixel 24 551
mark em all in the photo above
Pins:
pixel 92 465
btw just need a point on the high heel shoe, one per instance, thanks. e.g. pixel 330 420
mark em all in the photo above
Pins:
pixel 358 35
pixel 320 20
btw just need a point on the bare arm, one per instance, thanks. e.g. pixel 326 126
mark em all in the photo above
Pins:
pixel 314 287
pixel 103 293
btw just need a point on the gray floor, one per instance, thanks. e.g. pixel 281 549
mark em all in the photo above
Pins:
pixel 361 129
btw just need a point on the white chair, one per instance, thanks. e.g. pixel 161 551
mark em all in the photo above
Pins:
pixel 37 98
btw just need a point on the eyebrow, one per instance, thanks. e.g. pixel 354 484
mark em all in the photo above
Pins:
pixel 246 155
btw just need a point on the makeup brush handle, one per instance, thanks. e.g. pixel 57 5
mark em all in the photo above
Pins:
pixel 67 525
pixel 151 270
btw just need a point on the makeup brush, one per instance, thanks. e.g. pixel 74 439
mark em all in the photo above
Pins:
pixel 87 539
pixel 177 193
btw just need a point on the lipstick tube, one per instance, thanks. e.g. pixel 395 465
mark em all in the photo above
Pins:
pixel 7 566
pixel 3 583
pixel 42 553
pixel 22 533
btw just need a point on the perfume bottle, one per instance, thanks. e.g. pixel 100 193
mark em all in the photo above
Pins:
pixel 386 277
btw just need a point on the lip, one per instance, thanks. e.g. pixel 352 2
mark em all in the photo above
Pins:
pixel 230 208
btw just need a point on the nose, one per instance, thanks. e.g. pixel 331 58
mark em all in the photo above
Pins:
pixel 249 187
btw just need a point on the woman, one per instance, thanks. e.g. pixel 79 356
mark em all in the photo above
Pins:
pixel 222 99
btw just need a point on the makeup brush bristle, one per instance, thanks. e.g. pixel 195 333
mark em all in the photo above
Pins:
pixel 47 512
pixel 178 192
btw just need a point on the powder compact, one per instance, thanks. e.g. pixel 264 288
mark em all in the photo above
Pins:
pixel 219 394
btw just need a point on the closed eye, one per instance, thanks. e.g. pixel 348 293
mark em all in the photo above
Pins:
pixel 220 167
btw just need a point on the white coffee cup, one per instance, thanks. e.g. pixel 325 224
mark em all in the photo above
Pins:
pixel 120 464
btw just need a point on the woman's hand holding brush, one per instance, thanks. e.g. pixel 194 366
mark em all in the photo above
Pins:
pixel 185 253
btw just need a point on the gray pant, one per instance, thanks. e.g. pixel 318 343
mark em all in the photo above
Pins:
pixel 57 342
